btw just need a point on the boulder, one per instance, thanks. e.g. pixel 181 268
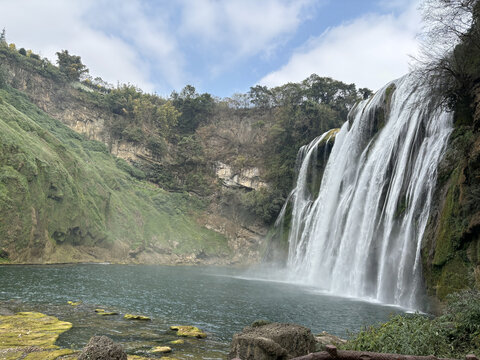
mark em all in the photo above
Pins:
pixel 272 341
pixel 323 339
pixel 102 348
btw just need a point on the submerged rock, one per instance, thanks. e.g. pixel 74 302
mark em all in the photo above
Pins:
pixel 102 348
pixel 272 342
pixel 188 331
pixel 161 349
pixel 177 342
pixel 136 317
pixel 102 312
pixel 74 303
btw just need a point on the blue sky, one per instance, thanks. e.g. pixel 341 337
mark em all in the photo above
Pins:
pixel 221 46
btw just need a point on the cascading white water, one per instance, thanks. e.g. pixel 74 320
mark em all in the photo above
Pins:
pixel 361 236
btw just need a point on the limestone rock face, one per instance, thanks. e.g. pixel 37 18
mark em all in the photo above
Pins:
pixel 271 342
pixel 245 178
pixel 102 348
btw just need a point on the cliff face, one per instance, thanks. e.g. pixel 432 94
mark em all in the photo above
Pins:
pixel 69 104
pixel 451 247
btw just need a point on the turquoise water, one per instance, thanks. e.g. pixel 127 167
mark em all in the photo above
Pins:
pixel 219 301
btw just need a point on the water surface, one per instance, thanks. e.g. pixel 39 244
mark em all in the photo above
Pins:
pixel 219 301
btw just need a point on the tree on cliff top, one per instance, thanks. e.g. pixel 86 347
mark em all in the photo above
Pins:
pixel 71 65
pixel 450 49
pixel 3 39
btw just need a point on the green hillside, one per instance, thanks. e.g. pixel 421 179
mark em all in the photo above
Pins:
pixel 61 195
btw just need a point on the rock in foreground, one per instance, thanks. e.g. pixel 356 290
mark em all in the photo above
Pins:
pixel 102 348
pixel 271 342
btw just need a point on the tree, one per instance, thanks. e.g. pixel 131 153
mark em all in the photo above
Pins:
pixel 195 109
pixel 449 60
pixel 70 65
pixel 3 39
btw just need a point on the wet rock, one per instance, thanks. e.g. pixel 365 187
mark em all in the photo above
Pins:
pixel 188 331
pixel 272 341
pixel 102 348
pixel 323 339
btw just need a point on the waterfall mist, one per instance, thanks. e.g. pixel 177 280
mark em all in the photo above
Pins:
pixel 361 235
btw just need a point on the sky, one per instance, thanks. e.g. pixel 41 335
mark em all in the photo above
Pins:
pixel 221 46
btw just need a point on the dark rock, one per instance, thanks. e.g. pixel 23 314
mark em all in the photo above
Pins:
pixel 102 348
pixel 272 341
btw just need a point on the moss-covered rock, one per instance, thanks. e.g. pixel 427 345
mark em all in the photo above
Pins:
pixel 136 317
pixel 30 329
pixel 188 331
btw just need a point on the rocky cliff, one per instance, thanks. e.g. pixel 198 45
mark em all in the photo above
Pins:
pixel 70 103
pixel 451 247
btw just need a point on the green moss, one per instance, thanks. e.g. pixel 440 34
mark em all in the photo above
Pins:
pixel 450 228
pixel 188 331
pixel 57 187
pixel 30 329
pixel 454 277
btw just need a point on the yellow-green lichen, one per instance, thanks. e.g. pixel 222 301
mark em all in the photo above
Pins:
pixel 188 331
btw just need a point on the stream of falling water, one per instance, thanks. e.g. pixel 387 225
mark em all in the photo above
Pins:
pixel 361 235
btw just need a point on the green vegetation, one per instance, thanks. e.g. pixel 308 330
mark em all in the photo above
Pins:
pixel 454 334
pixel 57 186
pixel 71 65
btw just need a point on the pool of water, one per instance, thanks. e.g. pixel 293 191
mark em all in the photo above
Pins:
pixel 221 301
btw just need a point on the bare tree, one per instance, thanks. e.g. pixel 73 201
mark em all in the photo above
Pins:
pixel 450 34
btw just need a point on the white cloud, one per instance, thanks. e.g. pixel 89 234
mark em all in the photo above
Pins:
pixel 244 27
pixel 89 28
pixel 369 51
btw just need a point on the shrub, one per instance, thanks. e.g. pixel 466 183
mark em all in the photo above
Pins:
pixel 454 334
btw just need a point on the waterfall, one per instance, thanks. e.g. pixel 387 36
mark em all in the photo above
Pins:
pixel 361 235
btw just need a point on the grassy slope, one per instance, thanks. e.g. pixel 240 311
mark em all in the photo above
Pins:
pixel 58 188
